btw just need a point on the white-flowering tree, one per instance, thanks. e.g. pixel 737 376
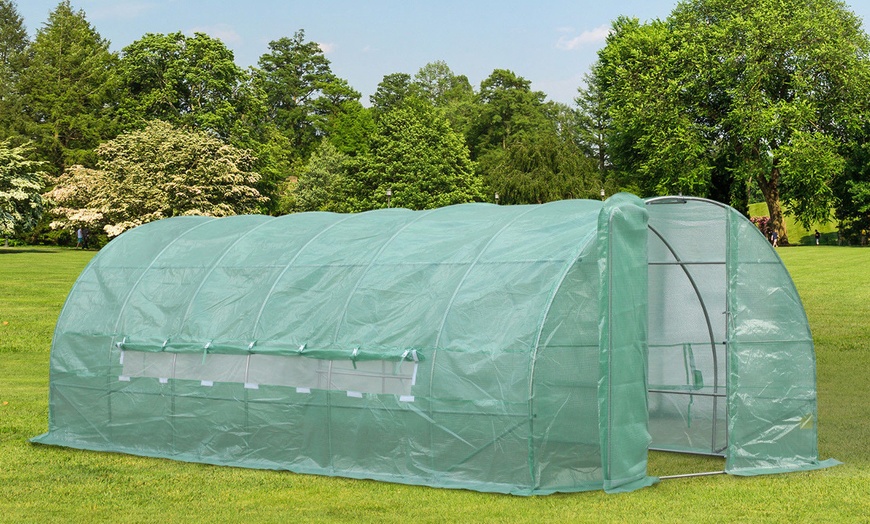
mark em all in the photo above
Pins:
pixel 21 185
pixel 158 172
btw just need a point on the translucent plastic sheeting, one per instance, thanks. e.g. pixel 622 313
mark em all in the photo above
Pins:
pixel 732 363
pixel 494 348
pixel 622 260
pixel 456 347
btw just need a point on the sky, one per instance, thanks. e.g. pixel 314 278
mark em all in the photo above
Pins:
pixel 551 43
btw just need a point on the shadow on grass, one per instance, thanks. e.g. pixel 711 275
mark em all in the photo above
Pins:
pixel 825 239
pixel 13 250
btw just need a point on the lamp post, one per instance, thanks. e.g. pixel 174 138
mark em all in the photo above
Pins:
pixel 602 193
pixel 389 196
pixel 496 198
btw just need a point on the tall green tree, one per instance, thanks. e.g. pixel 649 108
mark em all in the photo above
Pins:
pixel 336 96
pixel 727 93
pixel 507 110
pixel 436 82
pixel 21 185
pixel 68 89
pixel 303 96
pixel 193 81
pixel 253 131
pixel 452 95
pixel 393 91
pixel 593 121
pixel 419 158
pixel 654 140
pixel 539 168
pixel 853 192
pixel 323 184
pixel 526 147
pixel 187 80
pixel 13 43
pixel 157 172
pixel 352 129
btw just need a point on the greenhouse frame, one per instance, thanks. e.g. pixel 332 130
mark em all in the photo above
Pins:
pixel 514 349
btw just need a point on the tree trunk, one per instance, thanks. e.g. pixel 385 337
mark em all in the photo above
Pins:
pixel 770 189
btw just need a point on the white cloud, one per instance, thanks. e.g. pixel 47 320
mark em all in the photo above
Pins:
pixel 594 36
pixel 326 47
pixel 223 32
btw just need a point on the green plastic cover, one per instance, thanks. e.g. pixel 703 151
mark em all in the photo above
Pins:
pixel 731 357
pixel 771 362
pixel 622 396
pixel 457 347
pixel 513 349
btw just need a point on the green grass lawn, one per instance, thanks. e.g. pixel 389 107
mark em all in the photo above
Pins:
pixel 51 484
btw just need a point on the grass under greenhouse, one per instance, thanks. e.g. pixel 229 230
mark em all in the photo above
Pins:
pixel 51 484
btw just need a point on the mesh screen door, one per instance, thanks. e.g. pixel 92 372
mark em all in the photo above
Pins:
pixel 687 325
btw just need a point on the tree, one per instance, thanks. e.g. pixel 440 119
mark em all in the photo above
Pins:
pixel 416 156
pixel 435 81
pixel 540 168
pixel 393 91
pixel 853 192
pixel 593 121
pixel 726 93
pixel 13 36
pixel 507 109
pixel 653 141
pixel 353 129
pixel 13 43
pixel 450 94
pixel 336 97
pixel 21 185
pixel 155 173
pixel 302 93
pixel 526 147
pixel 255 132
pixel 189 81
pixel 68 89
pixel 322 184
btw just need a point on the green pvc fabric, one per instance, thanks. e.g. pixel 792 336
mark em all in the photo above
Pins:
pixel 771 358
pixel 731 357
pixel 622 399
pixel 473 346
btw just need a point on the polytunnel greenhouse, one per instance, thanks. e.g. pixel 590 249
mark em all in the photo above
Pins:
pixel 515 349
